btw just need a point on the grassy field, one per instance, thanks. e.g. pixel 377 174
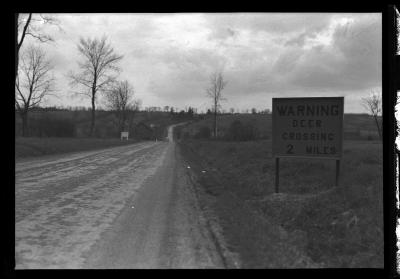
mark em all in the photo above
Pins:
pixel 319 224
pixel 65 123
pixel 356 126
pixel 28 147
pixel 72 129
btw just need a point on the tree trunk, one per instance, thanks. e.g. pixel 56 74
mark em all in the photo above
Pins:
pixel 379 127
pixel 130 120
pixel 16 46
pixel 92 124
pixel 124 118
pixel 215 120
pixel 120 122
pixel 24 118
pixel 121 125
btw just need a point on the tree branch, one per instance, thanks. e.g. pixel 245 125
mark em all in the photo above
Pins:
pixel 41 38
pixel 24 31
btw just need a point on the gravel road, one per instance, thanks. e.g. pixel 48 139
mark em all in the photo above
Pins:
pixel 124 207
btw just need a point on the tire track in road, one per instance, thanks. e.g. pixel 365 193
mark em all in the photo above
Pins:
pixel 126 207
pixel 187 242
pixel 61 212
pixel 161 228
pixel 52 162
pixel 33 186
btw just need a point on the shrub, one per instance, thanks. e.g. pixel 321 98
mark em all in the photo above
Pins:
pixel 239 132
pixel 177 132
pixel 203 133
pixel 52 127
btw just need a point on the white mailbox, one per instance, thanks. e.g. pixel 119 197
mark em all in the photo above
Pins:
pixel 124 135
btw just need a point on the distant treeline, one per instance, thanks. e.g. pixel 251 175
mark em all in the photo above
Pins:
pixel 170 109
pixel 237 131
pixel 58 121
pixel 66 122
pixel 249 128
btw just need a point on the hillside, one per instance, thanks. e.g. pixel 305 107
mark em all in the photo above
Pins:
pixel 356 126
pixel 68 123
pixel 324 225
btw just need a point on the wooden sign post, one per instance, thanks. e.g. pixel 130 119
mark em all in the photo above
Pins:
pixel 337 173
pixel 276 174
pixel 309 127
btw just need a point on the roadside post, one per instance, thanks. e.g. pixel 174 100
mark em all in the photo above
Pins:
pixel 153 130
pixel 337 172
pixel 310 127
pixel 276 174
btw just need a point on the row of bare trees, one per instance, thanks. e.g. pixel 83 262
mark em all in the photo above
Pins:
pixel 372 103
pixel 98 73
pixel 34 82
pixel 214 92
pixel 119 99
pixel 33 78
pixel 30 25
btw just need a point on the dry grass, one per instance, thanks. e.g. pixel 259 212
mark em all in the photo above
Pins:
pixel 334 226
pixel 356 126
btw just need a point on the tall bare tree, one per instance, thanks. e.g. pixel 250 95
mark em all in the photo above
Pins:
pixel 98 70
pixel 217 84
pixel 30 25
pixel 131 111
pixel 119 99
pixel 373 103
pixel 34 82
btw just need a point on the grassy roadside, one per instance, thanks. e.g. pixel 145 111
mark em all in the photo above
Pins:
pixel 29 147
pixel 322 225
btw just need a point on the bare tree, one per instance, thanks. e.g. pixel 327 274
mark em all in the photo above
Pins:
pixel 30 25
pixel 33 83
pixel 217 84
pixel 373 104
pixel 97 71
pixel 131 111
pixel 119 99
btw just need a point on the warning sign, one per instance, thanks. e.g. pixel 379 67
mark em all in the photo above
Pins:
pixel 307 127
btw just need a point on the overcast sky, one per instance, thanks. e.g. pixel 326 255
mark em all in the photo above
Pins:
pixel 168 58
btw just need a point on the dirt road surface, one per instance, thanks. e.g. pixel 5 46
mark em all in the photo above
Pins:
pixel 124 207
